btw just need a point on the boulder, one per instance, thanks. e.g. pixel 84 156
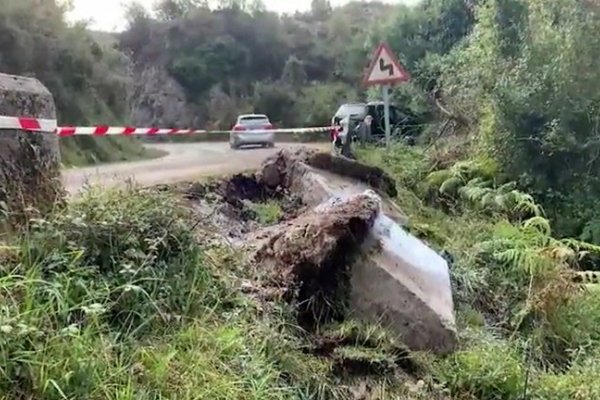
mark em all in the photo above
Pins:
pixel 29 162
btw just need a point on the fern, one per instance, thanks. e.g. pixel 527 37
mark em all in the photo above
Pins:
pixel 580 246
pixel 472 183
pixel 526 204
pixel 539 223
pixel 437 178
pixel 451 185
pixel 524 258
pixel 473 193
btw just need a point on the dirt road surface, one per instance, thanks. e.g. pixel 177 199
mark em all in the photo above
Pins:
pixel 184 161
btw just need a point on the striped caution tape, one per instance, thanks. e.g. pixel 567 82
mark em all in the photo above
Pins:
pixel 108 130
pixel 50 126
pixel 28 124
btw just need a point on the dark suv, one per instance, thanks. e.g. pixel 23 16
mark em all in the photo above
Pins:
pixel 399 121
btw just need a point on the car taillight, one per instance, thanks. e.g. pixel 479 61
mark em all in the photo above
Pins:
pixel 239 128
pixel 268 127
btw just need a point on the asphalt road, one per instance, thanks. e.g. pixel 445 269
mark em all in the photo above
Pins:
pixel 184 161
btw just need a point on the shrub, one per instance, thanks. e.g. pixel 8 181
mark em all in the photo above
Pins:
pixel 490 370
pixel 130 252
pixel 579 383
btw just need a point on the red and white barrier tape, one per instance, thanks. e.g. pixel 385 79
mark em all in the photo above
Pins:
pixel 50 126
pixel 121 130
pixel 109 130
pixel 28 124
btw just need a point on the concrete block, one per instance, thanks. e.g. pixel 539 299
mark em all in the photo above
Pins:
pixel 29 162
pixel 396 280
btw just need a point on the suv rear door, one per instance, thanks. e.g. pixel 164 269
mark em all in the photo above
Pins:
pixel 355 111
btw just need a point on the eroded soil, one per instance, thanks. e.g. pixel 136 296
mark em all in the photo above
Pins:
pixel 304 256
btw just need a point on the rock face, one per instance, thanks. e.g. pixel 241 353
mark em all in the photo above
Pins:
pixel 29 162
pixel 395 279
pixel 158 100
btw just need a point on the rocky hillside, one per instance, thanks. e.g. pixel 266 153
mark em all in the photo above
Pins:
pixel 88 78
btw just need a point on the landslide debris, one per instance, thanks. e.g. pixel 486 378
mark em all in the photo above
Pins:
pixel 229 204
pixel 307 256
pixel 310 255
pixel 281 169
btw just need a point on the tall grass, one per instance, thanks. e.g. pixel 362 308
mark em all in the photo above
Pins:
pixel 526 331
pixel 116 297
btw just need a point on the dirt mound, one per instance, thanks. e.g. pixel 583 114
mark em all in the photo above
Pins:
pixel 312 253
pixel 230 204
pixel 279 170
pixel 245 187
pixel 375 177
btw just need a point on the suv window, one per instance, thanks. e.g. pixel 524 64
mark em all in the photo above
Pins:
pixel 395 116
pixel 351 109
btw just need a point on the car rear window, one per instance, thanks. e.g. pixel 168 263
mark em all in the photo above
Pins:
pixel 254 118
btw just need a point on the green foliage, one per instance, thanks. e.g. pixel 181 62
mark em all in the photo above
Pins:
pixel 508 283
pixel 578 383
pixel 267 213
pixel 293 72
pixel 491 370
pixel 296 69
pixel 87 78
pixel 130 240
pixel 277 101
pixel 520 79
pixel 433 26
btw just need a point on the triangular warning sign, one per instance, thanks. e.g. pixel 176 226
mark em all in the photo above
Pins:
pixel 385 68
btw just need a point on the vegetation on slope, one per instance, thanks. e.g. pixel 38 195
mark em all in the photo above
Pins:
pixel 236 56
pixel 115 297
pixel 88 79
pixel 527 329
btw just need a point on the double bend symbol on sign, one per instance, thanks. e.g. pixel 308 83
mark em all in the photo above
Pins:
pixel 385 68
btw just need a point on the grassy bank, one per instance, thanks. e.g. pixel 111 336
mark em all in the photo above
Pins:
pixel 119 297
pixel 116 297
pixel 527 330
pixel 88 150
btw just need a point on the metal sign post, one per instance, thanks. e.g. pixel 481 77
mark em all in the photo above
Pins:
pixel 386 108
pixel 385 70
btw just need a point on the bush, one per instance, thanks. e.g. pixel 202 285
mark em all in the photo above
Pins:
pixel 132 253
pixel 491 370
pixel 80 286
pixel 569 332
pixel 579 383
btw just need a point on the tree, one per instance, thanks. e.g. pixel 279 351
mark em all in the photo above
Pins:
pixel 172 9
pixel 320 9
pixel 294 72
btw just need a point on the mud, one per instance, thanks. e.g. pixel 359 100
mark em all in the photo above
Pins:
pixel 225 204
pixel 279 170
pixel 373 176
pixel 337 249
pixel 310 256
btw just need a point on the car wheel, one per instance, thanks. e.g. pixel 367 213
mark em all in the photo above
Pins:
pixel 233 146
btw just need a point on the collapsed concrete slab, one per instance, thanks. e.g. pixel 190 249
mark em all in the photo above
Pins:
pixel 400 282
pixel 395 279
